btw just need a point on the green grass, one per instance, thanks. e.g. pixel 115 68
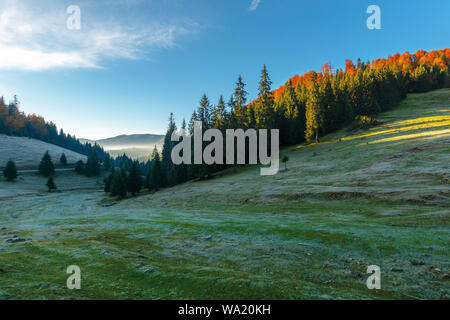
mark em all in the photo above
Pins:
pixel 379 196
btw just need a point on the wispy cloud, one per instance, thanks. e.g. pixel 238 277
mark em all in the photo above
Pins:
pixel 254 5
pixel 35 39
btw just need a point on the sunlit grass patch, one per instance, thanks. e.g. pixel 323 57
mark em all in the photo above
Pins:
pixel 426 125
pixel 435 133
pixel 418 120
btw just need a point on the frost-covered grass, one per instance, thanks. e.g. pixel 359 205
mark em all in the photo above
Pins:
pixel 27 152
pixel 309 232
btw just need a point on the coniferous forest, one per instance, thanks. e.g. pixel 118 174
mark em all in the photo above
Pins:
pixel 304 109
pixel 307 106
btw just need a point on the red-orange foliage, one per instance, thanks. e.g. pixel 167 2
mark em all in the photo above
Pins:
pixel 405 63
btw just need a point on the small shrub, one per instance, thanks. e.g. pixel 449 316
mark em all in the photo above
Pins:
pixel 50 184
pixel 285 159
pixel 363 123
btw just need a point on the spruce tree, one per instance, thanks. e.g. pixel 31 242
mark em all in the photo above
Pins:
pixel 108 181
pixel 181 171
pixel 63 159
pixel 107 163
pixel 204 113
pixel 79 167
pixel 134 180
pixel 167 164
pixel 156 172
pixel 46 167
pixel 50 184
pixel 10 171
pixel 264 108
pixel 92 165
pixel 148 177
pixel 240 100
pixel 119 184
pixel 219 115
pixel 314 112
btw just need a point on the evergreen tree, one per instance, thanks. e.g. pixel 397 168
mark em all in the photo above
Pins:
pixel 219 115
pixel 107 163
pixel 264 108
pixel 10 171
pixel 46 167
pixel 240 100
pixel 148 176
pixel 204 112
pixel 288 112
pixel 182 173
pixel 194 118
pixel 156 172
pixel 167 164
pixel 50 184
pixel 119 183
pixel 63 159
pixel 79 167
pixel 134 180
pixel 314 112
pixel 108 181
pixel 92 165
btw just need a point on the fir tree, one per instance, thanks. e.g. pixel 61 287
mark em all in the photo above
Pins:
pixel 79 167
pixel 92 165
pixel 204 112
pixel 219 115
pixel 167 164
pixel 119 184
pixel 108 181
pixel 181 173
pixel 191 125
pixel 314 113
pixel 134 180
pixel 63 159
pixel 107 163
pixel 264 108
pixel 240 100
pixel 46 167
pixel 156 172
pixel 10 171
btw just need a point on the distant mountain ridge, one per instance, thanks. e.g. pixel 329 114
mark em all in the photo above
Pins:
pixel 137 146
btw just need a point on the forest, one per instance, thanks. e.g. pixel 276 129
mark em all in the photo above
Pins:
pixel 305 108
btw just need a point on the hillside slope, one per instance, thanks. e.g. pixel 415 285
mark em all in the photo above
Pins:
pixel 27 152
pixel 375 197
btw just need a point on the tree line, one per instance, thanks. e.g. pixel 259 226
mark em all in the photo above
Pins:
pixel 304 109
pixel 307 106
pixel 14 122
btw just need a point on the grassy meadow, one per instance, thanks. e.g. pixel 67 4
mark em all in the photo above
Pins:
pixel 370 197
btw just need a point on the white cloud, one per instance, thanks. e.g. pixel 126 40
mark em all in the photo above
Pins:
pixel 254 5
pixel 35 39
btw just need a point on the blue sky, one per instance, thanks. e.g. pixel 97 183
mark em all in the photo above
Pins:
pixel 135 61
